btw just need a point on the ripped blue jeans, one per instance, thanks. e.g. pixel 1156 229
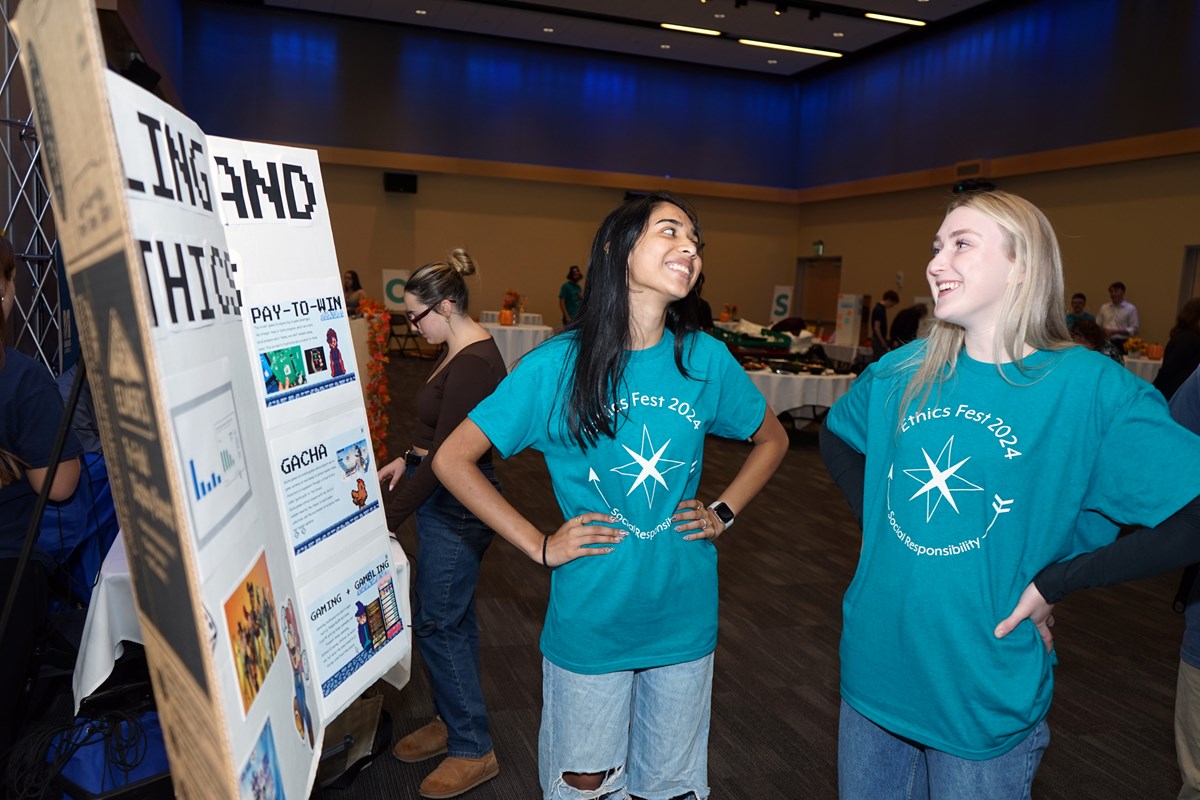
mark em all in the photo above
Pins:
pixel 645 730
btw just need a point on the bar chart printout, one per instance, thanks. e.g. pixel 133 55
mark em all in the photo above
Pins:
pixel 214 464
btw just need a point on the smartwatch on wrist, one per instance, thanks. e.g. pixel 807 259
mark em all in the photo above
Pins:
pixel 724 513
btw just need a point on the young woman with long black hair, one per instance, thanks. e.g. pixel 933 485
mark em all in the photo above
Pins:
pixel 620 404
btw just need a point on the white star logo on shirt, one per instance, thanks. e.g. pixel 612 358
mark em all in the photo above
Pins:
pixel 946 481
pixel 647 471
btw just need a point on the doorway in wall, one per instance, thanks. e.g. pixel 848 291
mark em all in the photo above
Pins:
pixel 818 283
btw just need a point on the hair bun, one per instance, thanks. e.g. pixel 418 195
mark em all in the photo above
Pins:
pixel 461 262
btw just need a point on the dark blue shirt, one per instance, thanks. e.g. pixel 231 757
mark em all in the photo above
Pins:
pixel 30 413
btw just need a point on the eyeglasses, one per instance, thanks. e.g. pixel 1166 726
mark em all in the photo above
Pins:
pixel 417 319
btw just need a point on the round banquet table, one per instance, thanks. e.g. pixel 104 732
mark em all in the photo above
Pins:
pixel 515 341
pixel 1145 368
pixel 788 392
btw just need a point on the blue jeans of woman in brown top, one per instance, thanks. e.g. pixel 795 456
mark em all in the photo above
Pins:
pixel 452 543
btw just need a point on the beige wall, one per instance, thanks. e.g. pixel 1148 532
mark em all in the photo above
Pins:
pixel 1127 222
pixel 524 235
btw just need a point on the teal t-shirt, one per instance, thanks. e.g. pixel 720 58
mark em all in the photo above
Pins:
pixel 571 294
pixel 653 600
pixel 966 499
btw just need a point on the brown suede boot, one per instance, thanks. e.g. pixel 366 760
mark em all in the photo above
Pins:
pixel 457 775
pixel 423 743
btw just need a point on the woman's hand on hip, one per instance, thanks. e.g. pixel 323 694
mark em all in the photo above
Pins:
pixel 1033 607
pixel 573 537
pixel 697 521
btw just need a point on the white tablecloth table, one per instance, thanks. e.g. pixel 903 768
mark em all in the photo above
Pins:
pixel 788 392
pixel 1144 368
pixel 515 341
pixel 528 318
pixel 111 620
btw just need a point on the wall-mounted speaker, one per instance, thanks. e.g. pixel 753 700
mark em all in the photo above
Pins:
pixel 400 182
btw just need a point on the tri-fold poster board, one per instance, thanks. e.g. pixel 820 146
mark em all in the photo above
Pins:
pixel 207 293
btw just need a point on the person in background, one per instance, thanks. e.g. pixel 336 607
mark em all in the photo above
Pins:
pixel 1090 335
pixel 571 295
pixel 949 454
pixel 353 291
pixel 30 414
pixel 703 309
pixel 1185 409
pixel 619 405
pixel 879 324
pixel 1078 312
pixel 452 541
pixel 1118 317
pixel 907 324
pixel 1181 356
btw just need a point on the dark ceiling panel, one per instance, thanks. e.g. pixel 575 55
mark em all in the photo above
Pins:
pixel 631 27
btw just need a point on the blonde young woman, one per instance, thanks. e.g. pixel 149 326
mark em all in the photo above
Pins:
pixel 949 451
pixel 451 539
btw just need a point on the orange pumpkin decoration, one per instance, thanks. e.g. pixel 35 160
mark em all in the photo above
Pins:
pixel 506 316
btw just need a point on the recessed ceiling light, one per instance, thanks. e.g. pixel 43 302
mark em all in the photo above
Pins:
pixel 547 30
pixel 897 20
pixel 772 61
pixel 838 34
pixel 792 48
pixel 688 29
pixel 421 12
pixel 664 47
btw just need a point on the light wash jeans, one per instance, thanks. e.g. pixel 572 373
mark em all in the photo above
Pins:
pixel 874 764
pixel 1187 729
pixel 452 543
pixel 645 729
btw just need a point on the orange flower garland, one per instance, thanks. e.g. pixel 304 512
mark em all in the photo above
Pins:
pixel 376 393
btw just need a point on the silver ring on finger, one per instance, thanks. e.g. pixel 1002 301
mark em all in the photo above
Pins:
pixel 703 524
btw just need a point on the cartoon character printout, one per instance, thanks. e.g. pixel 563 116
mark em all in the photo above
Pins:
pixel 354 623
pixel 301 341
pixel 261 777
pixel 252 629
pixel 327 479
